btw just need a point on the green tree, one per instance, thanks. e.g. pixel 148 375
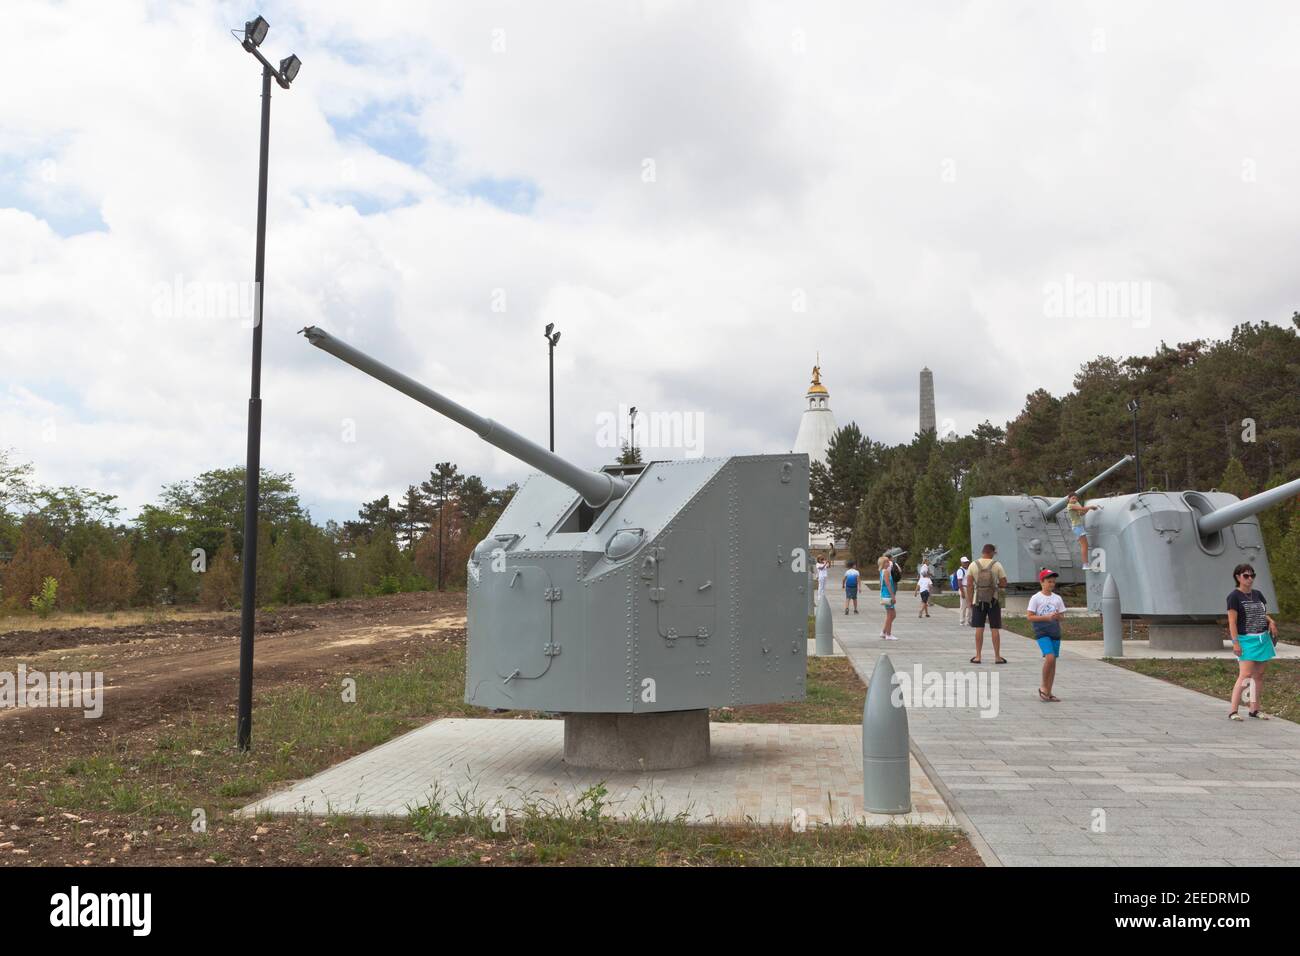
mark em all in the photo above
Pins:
pixel 885 518
pixel 836 489
pixel 935 499
pixel 1235 481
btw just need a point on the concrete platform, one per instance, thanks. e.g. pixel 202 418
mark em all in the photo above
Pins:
pixel 1140 650
pixel 758 773
pixel 812 650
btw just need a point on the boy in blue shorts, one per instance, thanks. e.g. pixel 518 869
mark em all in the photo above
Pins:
pixel 1046 611
pixel 850 585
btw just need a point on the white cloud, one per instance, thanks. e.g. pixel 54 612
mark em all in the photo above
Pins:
pixel 919 176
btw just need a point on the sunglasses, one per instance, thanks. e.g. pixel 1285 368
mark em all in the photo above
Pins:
pixel 1247 574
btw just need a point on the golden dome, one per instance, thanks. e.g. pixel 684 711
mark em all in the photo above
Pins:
pixel 817 388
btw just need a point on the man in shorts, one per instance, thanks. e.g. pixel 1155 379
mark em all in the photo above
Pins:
pixel 984 579
pixel 1046 611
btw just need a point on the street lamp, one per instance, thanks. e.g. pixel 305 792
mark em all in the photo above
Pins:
pixel 255 31
pixel 631 426
pixel 1133 407
pixel 552 340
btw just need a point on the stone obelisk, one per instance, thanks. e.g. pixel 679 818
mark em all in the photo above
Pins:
pixel 927 400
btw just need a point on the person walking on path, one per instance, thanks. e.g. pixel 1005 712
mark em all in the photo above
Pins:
pixel 887 593
pixel 959 585
pixel 823 568
pixel 1254 633
pixel 983 581
pixel 1046 611
pixel 1077 511
pixel 850 585
pixel 924 585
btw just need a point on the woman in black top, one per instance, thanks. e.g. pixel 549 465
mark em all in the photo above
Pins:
pixel 1253 634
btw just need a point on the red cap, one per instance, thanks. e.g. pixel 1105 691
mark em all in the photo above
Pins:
pixel 1046 573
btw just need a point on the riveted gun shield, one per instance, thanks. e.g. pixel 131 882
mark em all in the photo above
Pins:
pixel 673 585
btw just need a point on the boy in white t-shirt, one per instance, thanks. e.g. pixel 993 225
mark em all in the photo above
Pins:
pixel 1046 611
pixel 924 585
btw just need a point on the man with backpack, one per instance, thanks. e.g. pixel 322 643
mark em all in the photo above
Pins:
pixel 984 580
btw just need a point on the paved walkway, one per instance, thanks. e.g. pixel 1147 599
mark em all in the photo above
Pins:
pixel 758 773
pixel 1174 781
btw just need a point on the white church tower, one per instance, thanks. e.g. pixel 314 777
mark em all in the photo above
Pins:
pixel 815 430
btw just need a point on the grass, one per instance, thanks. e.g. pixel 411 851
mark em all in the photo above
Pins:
pixel 158 783
pixel 1216 677
pixel 1072 628
pixel 835 695
pixel 59 620
pixel 300 731
pixel 581 834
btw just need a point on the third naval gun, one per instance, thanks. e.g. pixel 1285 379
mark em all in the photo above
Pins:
pixel 633 598
pixel 1171 555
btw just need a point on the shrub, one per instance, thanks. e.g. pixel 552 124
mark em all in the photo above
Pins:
pixel 43 603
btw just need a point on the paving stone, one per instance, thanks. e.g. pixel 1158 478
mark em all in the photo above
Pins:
pixel 1177 782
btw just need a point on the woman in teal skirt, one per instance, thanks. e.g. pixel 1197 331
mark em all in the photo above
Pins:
pixel 1253 632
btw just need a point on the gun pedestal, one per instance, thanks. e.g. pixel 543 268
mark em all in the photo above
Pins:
pixel 658 741
pixel 1184 635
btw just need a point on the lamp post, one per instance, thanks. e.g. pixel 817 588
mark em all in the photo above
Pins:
pixel 1133 407
pixel 631 427
pixel 552 340
pixel 255 31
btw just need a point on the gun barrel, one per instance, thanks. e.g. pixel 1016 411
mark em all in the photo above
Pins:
pixel 1059 506
pixel 1220 518
pixel 596 488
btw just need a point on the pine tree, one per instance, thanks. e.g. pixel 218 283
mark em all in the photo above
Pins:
pixel 1235 481
pixel 935 502
pixel 836 489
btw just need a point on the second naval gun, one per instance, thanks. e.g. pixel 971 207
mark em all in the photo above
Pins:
pixel 1171 555
pixel 1031 532
pixel 632 599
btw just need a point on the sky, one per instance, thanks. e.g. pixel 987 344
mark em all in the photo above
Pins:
pixel 702 197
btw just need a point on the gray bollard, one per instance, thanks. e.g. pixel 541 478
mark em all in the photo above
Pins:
pixel 1112 624
pixel 824 626
pixel 886 772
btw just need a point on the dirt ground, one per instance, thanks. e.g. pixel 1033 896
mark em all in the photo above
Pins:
pixel 120 789
pixel 152 671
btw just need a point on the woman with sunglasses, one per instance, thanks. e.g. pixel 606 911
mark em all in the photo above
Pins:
pixel 1253 634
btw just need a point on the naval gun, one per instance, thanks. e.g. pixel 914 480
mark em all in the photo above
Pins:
pixel 934 558
pixel 1171 555
pixel 1031 532
pixel 632 599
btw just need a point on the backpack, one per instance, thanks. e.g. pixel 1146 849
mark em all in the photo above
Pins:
pixel 986 586
pixel 952 581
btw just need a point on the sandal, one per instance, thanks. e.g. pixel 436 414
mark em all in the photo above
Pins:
pixel 1001 660
pixel 976 660
pixel 1043 697
pixel 1234 716
pixel 1257 715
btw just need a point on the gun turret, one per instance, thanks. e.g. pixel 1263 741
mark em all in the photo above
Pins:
pixel 1056 508
pixel 597 488
pixel 1220 518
